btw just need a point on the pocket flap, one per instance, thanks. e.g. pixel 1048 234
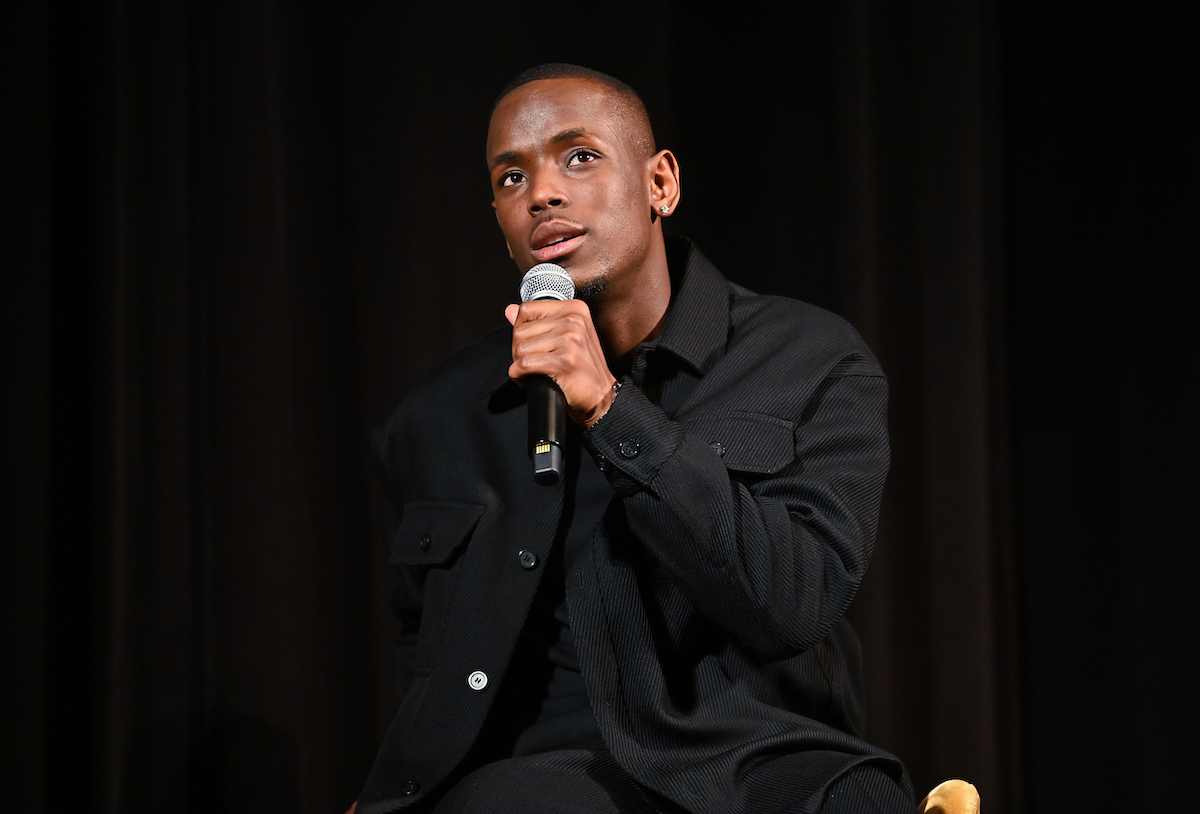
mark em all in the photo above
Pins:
pixel 432 531
pixel 747 442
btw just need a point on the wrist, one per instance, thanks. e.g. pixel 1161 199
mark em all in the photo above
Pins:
pixel 608 403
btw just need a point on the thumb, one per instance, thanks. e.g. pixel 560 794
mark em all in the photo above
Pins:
pixel 510 313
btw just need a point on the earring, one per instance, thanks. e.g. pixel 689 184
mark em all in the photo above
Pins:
pixel 664 209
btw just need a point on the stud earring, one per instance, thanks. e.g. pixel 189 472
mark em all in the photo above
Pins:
pixel 664 209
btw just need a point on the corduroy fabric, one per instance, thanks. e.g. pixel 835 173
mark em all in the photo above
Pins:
pixel 708 612
pixel 575 781
pixel 866 790
pixel 579 781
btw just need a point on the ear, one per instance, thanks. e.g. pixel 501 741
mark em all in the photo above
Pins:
pixel 663 170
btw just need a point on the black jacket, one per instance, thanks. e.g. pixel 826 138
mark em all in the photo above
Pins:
pixel 708 613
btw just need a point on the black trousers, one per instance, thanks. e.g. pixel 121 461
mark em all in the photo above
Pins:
pixel 585 781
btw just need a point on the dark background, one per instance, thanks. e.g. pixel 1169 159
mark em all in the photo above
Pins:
pixel 235 232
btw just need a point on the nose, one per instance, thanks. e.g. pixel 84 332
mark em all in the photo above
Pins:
pixel 546 191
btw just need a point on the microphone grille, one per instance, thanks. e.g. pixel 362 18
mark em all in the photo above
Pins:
pixel 547 281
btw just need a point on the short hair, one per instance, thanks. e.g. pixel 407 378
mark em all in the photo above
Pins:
pixel 630 102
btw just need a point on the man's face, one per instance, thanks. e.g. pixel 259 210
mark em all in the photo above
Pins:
pixel 569 184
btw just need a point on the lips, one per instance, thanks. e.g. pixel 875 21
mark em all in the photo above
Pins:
pixel 555 238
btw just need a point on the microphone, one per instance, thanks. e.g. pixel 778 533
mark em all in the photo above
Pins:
pixel 547 407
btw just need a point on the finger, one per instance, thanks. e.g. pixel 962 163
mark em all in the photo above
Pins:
pixel 567 336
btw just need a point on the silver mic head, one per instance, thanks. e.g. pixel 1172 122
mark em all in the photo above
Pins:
pixel 547 281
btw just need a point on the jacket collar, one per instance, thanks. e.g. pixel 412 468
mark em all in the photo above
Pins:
pixel 698 321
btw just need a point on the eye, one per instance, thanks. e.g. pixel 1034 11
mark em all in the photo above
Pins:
pixel 511 177
pixel 581 157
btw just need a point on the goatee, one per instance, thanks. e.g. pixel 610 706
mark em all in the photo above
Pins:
pixel 590 291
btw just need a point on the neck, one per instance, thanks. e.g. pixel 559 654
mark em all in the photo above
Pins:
pixel 625 319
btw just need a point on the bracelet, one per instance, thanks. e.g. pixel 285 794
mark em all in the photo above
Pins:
pixel 616 388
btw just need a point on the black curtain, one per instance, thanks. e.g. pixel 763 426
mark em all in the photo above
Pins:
pixel 1103 254
pixel 237 232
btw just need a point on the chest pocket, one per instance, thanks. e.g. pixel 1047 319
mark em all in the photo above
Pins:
pixel 747 442
pixel 433 532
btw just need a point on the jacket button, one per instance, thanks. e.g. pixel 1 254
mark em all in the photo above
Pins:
pixel 718 448
pixel 477 680
pixel 602 463
pixel 630 449
pixel 410 787
pixel 425 542
pixel 527 559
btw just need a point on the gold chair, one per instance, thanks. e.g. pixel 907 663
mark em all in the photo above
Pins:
pixel 951 797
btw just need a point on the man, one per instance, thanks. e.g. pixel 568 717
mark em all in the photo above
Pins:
pixel 662 631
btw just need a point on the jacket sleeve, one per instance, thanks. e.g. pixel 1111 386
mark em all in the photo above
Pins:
pixel 773 553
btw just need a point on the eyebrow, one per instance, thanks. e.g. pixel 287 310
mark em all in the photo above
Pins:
pixel 565 135
pixel 572 134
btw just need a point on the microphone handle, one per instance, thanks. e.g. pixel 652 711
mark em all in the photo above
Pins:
pixel 547 428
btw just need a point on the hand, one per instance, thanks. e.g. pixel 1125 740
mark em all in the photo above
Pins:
pixel 558 339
